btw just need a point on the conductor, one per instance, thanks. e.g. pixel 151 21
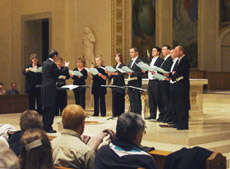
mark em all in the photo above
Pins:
pixel 48 90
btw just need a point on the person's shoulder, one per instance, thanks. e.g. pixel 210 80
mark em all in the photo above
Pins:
pixel 70 142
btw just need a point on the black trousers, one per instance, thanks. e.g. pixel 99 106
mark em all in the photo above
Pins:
pixel 135 100
pixel 118 103
pixel 34 97
pixel 99 99
pixel 80 98
pixel 172 104
pixel 182 107
pixel 154 98
pixel 61 101
pixel 48 117
pixel 164 90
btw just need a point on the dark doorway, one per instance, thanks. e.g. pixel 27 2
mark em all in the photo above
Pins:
pixel 45 39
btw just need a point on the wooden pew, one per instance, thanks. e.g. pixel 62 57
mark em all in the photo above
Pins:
pixel 215 161
pixel 13 103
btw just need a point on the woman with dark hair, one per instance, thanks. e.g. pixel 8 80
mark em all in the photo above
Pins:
pixel 33 74
pixel 36 151
pixel 79 93
pixel 118 94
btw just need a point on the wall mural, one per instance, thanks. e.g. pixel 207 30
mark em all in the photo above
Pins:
pixel 185 28
pixel 224 13
pixel 143 26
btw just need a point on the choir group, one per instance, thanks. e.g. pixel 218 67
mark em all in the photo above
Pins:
pixel 168 87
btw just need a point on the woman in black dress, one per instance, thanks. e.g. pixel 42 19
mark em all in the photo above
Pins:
pixel 118 94
pixel 98 91
pixel 61 94
pixel 33 78
pixel 79 93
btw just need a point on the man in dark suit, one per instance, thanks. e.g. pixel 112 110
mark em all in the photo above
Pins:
pixel 164 85
pixel 135 81
pixel 50 73
pixel 153 86
pixel 171 116
pixel 181 76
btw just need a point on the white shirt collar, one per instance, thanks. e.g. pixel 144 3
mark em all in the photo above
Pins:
pixel 51 59
pixel 166 57
pixel 134 58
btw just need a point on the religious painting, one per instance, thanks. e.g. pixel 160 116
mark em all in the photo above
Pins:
pixel 143 26
pixel 224 13
pixel 185 28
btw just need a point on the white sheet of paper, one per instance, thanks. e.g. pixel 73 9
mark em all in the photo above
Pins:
pixel 110 69
pixel 126 69
pixel 159 69
pixel 159 76
pixel 70 87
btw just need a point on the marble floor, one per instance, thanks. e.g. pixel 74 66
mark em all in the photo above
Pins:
pixel 211 130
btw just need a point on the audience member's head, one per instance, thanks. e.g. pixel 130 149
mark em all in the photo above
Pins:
pixel 1 85
pixel 133 52
pixel 36 151
pixel 156 51
pixel 8 159
pixel 13 85
pixel 130 127
pixel 73 118
pixel 165 50
pixel 30 119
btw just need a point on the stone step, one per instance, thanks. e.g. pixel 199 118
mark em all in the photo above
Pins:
pixel 219 146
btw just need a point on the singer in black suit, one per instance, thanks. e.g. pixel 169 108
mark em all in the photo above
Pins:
pixel 171 116
pixel 98 91
pixel 79 93
pixel 164 85
pixel 61 94
pixel 136 81
pixel 153 86
pixel 32 80
pixel 181 75
pixel 50 74
pixel 118 94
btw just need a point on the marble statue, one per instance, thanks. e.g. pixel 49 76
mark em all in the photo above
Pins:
pixel 88 46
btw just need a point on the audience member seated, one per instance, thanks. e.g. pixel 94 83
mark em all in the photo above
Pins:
pixel 2 91
pixel 69 149
pixel 124 151
pixel 29 119
pixel 13 90
pixel 8 159
pixel 36 151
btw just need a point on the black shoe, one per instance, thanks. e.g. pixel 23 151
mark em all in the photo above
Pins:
pixel 160 120
pixel 51 131
pixel 94 115
pixel 171 122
